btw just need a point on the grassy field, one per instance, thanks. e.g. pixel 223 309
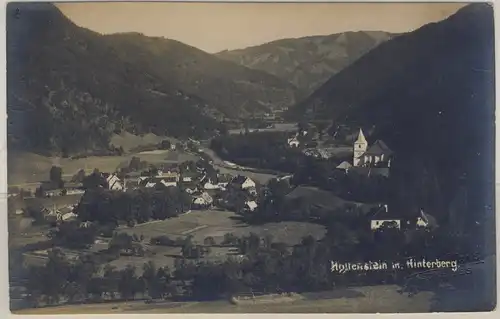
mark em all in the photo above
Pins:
pixel 201 224
pixel 383 299
pixel 129 141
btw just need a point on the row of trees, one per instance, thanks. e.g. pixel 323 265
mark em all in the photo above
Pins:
pixel 267 267
pixel 136 206
pixel 61 280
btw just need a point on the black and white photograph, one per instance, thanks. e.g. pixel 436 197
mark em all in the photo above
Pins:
pixel 245 157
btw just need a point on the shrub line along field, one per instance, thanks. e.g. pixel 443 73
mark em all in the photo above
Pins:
pixel 210 223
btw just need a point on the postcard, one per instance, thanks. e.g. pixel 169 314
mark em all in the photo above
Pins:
pixel 176 157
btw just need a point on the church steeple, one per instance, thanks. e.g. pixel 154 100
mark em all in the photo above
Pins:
pixel 360 146
pixel 361 138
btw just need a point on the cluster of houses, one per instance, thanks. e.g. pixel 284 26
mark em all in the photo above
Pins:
pixel 199 183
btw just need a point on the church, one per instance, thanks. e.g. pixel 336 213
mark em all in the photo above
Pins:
pixel 376 155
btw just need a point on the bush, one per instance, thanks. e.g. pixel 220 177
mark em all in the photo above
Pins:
pixel 230 239
pixel 162 241
pixel 209 241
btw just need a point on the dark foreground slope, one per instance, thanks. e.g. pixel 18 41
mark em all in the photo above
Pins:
pixel 308 62
pixel 430 95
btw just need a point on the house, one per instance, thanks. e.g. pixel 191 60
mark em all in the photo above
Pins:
pixel 170 175
pixel 293 142
pixel 250 205
pixel 191 189
pixel 202 199
pixel 377 154
pixel 69 217
pixel 154 181
pixel 242 183
pixel 73 188
pixel 382 217
pixel 426 220
pixel 113 181
pixel 345 166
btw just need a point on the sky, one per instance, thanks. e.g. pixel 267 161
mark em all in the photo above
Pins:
pixel 214 27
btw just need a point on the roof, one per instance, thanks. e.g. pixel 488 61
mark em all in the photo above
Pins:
pixel 429 219
pixel 344 165
pixel 383 213
pixel 251 204
pixel 159 179
pixel 361 137
pixel 378 148
pixel 240 179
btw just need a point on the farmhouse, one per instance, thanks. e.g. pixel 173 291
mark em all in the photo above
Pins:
pixel 113 181
pixel 383 217
pixel 426 220
pixel 202 200
pixel 345 166
pixel 154 181
pixel 250 205
pixel 293 142
pixel 377 155
pixel 242 183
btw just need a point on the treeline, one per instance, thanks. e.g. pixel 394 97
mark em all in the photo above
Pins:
pixel 132 207
pixel 267 150
pixel 266 267
pixel 352 185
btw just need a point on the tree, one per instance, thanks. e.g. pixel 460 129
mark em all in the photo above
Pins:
pixel 128 283
pixel 209 241
pixel 165 144
pixel 56 176
pixel 135 164
pixel 230 239
pixel 79 177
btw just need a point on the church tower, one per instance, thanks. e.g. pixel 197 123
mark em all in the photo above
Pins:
pixel 360 146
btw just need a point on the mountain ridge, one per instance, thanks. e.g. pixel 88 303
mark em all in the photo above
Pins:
pixel 430 97
pixel 59 73
pixel 308 61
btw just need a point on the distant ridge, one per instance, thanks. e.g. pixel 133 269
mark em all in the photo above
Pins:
pixel 308 62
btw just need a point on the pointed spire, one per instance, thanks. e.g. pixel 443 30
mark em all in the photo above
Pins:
pixel 361 137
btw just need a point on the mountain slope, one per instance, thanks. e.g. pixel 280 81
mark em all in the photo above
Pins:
pixel 232 88
pixel 70 89
pixel 308 62
pixel 430 95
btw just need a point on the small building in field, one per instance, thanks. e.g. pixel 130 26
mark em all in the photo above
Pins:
pixel 426 221
pixel 383 218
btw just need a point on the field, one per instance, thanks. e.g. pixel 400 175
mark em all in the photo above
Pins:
pixel 201 224
pixel 129 141
pixel 383 299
